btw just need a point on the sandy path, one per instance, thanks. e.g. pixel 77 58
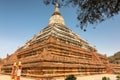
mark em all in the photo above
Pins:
pixel 97 77
pixel 7 77
pixel 91 77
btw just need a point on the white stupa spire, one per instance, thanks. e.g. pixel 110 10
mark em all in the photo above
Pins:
pixel 56 17
pixel 57 8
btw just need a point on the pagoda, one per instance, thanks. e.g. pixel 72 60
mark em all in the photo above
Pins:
pixel 57 51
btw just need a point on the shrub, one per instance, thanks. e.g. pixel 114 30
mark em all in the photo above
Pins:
pixel 105 78
pixel 70 77
pixel 118 77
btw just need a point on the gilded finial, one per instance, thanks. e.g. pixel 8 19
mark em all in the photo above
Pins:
pixel 56 7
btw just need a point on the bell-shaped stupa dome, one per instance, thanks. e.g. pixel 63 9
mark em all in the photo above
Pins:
pixel 56 17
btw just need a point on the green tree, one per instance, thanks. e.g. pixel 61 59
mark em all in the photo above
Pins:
pixel 105 78
pixel 118 77
pixel 91 11
pixel 70 77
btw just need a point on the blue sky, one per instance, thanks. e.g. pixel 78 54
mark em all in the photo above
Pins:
pixel 20 20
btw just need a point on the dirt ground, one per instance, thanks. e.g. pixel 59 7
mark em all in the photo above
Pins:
pixel 90 77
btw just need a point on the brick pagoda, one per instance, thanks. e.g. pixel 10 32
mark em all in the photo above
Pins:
pixel 57 51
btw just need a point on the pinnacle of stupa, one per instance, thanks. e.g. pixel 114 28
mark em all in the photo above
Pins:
pixel 56 17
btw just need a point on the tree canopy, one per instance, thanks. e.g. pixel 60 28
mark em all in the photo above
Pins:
pixel 91 11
